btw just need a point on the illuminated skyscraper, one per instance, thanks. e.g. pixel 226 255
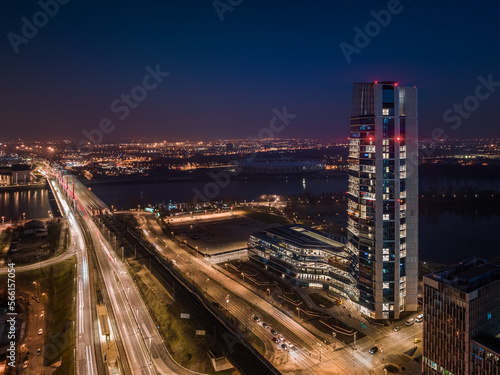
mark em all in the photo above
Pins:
pixel 383 197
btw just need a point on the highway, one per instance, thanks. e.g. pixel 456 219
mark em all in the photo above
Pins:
pixel 137 354
pixel 85 352
pixel 144 347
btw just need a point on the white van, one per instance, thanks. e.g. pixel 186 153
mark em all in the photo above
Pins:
pixel 420 318
pixel 410 322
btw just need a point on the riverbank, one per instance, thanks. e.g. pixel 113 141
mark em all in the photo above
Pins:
pixel 14 188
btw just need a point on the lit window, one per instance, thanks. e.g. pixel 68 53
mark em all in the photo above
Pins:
pixel 386 217
pixel 385 111
pixel 386 285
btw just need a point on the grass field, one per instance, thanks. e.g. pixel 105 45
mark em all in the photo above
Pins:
pixel 266 217
pixel 186 348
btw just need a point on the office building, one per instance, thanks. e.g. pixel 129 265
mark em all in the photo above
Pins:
pixel 462 320
pixel 310 257
pixel 383 197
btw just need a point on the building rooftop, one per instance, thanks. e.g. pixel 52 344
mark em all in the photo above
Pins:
pixel 304 237
pixel 21 167
pixel 468 275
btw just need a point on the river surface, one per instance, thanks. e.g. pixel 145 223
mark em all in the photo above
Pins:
pixel 445 236
pixel 34 203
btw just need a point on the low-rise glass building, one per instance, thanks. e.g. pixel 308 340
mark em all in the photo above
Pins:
pixel 310 257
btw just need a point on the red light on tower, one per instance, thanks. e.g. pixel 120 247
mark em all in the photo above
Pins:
pixel 398 139
pixel 375 82
pixel 370 139
pixel 396 84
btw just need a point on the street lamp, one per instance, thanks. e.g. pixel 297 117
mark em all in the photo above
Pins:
pixel 206 286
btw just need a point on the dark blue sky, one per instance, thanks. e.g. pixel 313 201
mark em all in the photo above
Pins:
pixel 227 76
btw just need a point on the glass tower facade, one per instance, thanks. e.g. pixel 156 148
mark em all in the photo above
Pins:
pixel 383 197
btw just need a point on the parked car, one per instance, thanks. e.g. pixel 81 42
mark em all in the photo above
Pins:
pixel 275 340
pixel 256 318
pixel 40 331
pixel 284 347
pixel 397 329
pixel 38 351
pixel 274 332
pixel 373 350
pixel 265 325
pixel 420 318
pixel 25 364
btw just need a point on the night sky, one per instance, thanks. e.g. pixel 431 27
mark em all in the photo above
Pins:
pixel 227 76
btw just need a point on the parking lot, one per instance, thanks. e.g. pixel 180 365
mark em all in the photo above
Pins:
pixel 215 235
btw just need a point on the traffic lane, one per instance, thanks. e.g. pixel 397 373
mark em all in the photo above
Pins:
pixel 126 320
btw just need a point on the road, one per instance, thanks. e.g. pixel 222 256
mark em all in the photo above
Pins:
pixel 144 347
pixel 137 355
pixel 320 358
pixel 85 353
pixel 33 340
